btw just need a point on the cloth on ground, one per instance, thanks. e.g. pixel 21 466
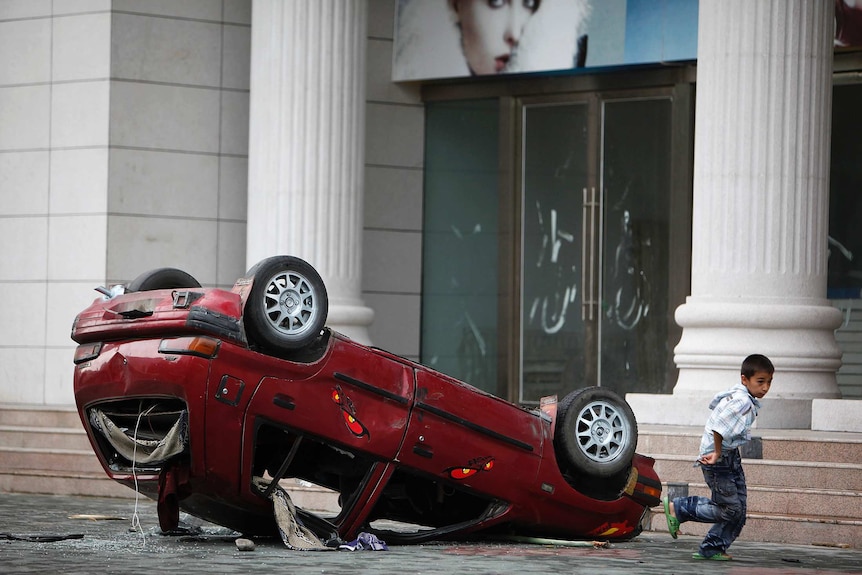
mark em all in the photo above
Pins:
pixel 294 534
pixel 365 541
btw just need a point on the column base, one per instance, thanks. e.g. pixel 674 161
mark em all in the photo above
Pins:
pixel 837 415
pixel 352 321
pixel 693 410
pixel 798 338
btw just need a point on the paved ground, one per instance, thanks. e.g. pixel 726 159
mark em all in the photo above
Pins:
pixel 111 545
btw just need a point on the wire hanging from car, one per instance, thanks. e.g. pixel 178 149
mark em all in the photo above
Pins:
pixel 136 519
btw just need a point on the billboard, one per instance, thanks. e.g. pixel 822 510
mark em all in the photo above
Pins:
pixel 462 38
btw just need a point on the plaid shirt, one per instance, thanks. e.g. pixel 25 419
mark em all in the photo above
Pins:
pixel 732 416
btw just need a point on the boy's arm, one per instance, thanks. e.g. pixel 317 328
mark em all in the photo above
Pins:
pixel 711 458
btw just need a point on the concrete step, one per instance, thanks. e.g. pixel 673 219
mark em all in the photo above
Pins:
pixel 44 459
pixel 796 529
pixel 796 501
pixel 774 473
pixel 44 449
pixel 95 484
pixel 40 416
pixel 806 488
pixel 784 444
pixel 44 437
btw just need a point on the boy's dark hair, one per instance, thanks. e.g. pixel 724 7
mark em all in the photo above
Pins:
pixel 756 362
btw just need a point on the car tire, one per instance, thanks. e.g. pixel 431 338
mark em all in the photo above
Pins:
pixel 162 278
pixel 287 306
pixel 595 434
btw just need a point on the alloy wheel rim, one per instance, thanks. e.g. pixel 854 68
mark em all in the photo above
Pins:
pixel 601 432
pixel 290 303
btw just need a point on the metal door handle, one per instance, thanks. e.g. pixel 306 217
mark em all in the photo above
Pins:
pixel 588 254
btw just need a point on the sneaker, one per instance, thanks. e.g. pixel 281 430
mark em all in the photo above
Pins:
pixel 716 557
pixel 672 522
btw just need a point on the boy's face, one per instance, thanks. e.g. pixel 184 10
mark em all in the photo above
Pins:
pixel 758 384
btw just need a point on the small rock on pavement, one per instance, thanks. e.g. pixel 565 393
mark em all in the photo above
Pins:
pixel 244 544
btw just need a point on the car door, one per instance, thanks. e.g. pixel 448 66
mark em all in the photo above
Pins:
pixel 462 434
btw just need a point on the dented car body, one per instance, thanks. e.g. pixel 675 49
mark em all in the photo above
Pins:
pixel 203 399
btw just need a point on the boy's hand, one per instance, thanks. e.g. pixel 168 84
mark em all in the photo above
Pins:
pixel 709 458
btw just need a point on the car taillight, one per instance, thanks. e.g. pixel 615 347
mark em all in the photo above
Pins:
pixel 206 347
pixel 87 351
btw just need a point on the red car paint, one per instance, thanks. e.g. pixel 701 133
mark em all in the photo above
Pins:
pixel 398 440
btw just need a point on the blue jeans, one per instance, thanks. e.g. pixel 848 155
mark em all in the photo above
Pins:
pixel 727 507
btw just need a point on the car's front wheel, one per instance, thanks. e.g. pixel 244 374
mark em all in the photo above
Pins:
pixel 596 433
pixel 287 305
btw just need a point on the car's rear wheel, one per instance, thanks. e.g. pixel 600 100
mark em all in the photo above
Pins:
pixel 162 278
pixel 287 306
pixel 596 433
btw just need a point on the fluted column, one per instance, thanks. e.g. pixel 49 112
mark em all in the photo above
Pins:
pixel 760 211
pixel 761 181
pixel 307 144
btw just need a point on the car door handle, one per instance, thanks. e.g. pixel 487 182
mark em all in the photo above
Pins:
pixel 423 451
pixel 284 401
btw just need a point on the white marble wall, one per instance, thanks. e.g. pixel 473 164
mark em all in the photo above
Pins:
pixel 179 138
pixel 392 239
pixel 53 189
pixel 123 147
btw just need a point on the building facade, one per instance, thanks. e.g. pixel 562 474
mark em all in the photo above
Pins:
pixel 530 233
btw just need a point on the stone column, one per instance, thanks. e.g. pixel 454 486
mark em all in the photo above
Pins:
pixel 759 228
pixel 307 145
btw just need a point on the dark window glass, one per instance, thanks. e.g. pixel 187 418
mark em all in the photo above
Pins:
pixel 460 241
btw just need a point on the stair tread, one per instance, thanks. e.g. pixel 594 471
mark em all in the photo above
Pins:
pixel 37 429
pixel 13 449
pixel 795 435
pixel 775 462
pixel 801 490
pixel 36 407
pixel 825 519
pixel 82 474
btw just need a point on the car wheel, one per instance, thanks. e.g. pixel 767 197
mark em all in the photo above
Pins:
pixel 162 278
pixel 287 306
pixel 596 433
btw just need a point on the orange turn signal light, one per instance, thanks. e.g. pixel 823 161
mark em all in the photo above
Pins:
pixel 200 346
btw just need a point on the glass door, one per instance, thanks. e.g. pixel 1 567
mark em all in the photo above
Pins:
pixel 556 331
pixel 595 189
pixel 634 349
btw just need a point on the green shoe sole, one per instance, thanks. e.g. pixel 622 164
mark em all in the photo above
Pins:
pixel 672 522
pixel 716 557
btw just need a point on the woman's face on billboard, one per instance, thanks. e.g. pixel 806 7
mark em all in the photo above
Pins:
pixel 491 30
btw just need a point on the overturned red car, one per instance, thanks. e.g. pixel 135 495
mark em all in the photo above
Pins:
pixel 204 399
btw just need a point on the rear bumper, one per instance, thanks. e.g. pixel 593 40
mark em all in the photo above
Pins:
pixel 150 314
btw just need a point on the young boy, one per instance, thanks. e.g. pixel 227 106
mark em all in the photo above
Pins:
pixel 728 427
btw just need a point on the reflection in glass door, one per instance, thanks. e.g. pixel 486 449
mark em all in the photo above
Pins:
pixel 595 221
pixel 634 315
pixel 554 333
